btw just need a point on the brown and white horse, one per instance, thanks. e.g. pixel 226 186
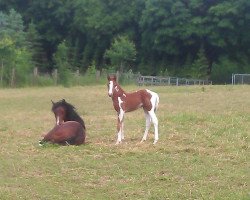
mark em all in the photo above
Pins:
pixel 126 102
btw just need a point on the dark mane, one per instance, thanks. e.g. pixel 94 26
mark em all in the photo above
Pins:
pixel 70 110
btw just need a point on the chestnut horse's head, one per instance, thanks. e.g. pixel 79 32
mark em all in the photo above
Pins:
pixel 59 110
pixel 64 112
pixel 111 84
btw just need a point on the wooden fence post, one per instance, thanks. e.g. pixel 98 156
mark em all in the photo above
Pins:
pixel 35 75
pixel 55 76
pixel 97 75
pixel 2 73
pixel 117 76
pixel 12 80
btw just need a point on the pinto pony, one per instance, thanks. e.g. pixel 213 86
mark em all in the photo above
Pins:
pixel 126 102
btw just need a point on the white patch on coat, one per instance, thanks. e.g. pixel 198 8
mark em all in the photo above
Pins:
pixel 154 99
pixel 116 88
pixel 121 110
pixel 124 95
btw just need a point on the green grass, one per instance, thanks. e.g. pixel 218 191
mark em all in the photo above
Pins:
pixel 203 150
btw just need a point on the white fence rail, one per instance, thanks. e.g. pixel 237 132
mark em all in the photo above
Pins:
pixel 155 80
pixel 240 79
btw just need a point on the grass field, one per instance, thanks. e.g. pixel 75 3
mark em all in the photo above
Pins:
pixel 202 153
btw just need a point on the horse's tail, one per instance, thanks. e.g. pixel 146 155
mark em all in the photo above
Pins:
pixel 157 102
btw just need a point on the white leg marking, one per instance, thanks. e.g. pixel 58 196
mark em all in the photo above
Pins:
pixel 121 116
pixel 155 122
pixel 148 123
pixel 122 127
pixel 154 101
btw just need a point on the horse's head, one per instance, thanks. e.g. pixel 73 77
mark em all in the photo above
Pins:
pixel 111 85
pixel 60 110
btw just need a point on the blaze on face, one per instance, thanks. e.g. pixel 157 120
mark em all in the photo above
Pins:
pixel 59 111
pixel 112 80
pixel 59 115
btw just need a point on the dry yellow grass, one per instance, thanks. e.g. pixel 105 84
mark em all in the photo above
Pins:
pixel 202 152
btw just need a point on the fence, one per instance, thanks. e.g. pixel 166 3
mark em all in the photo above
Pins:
pixel 240 79
pixel 37 78
pixel 155 80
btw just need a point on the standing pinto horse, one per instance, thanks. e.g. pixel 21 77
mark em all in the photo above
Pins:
pixel 126 102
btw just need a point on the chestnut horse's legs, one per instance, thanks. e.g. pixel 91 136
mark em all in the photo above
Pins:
pixel 148 123
pixel 155 122
pixel 120 126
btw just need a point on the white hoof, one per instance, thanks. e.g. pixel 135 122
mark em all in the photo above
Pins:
pixel 118 142
pixel 143 140
pixel 155 141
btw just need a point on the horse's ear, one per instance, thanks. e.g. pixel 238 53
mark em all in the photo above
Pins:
pixel 108 77
pixel 52 102
pixel 63 100
pixel 115 77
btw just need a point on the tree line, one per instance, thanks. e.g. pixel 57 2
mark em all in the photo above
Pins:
pixel 207 39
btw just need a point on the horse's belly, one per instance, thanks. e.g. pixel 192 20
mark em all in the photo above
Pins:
pixel 130 108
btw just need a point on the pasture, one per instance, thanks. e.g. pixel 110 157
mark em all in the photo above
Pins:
pixel 202 153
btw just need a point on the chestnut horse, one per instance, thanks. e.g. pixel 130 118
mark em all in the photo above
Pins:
pixel 126 102
pixel 69 128
pixel 64 111
pixel 67 133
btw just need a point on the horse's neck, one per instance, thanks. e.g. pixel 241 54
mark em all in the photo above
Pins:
pixel 118 92
pixel 75 117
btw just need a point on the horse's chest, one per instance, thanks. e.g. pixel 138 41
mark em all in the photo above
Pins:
pixel 119 104
pixel 116 105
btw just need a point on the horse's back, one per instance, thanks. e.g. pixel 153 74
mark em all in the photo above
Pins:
pixel 141 98
pixel 71 132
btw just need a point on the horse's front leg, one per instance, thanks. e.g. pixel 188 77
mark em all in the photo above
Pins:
pixel 120 127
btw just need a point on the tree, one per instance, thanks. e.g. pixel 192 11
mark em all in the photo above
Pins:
pixel 199 68
pixel 7 55
pixel 35 46
pixel 13 49
pixel 121 52
pixel 62 63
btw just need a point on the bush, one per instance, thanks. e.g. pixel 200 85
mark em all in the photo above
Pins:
pixel 223 69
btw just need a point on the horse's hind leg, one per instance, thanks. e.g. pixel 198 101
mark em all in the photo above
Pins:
pixel 148 123
pixel 155 122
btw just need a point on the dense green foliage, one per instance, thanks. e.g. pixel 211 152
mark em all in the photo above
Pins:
pixel 121 53
pixel 14 55
pixel 190 38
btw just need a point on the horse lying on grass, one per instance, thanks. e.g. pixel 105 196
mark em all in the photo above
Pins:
pixel 69 128
pixel 67 133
